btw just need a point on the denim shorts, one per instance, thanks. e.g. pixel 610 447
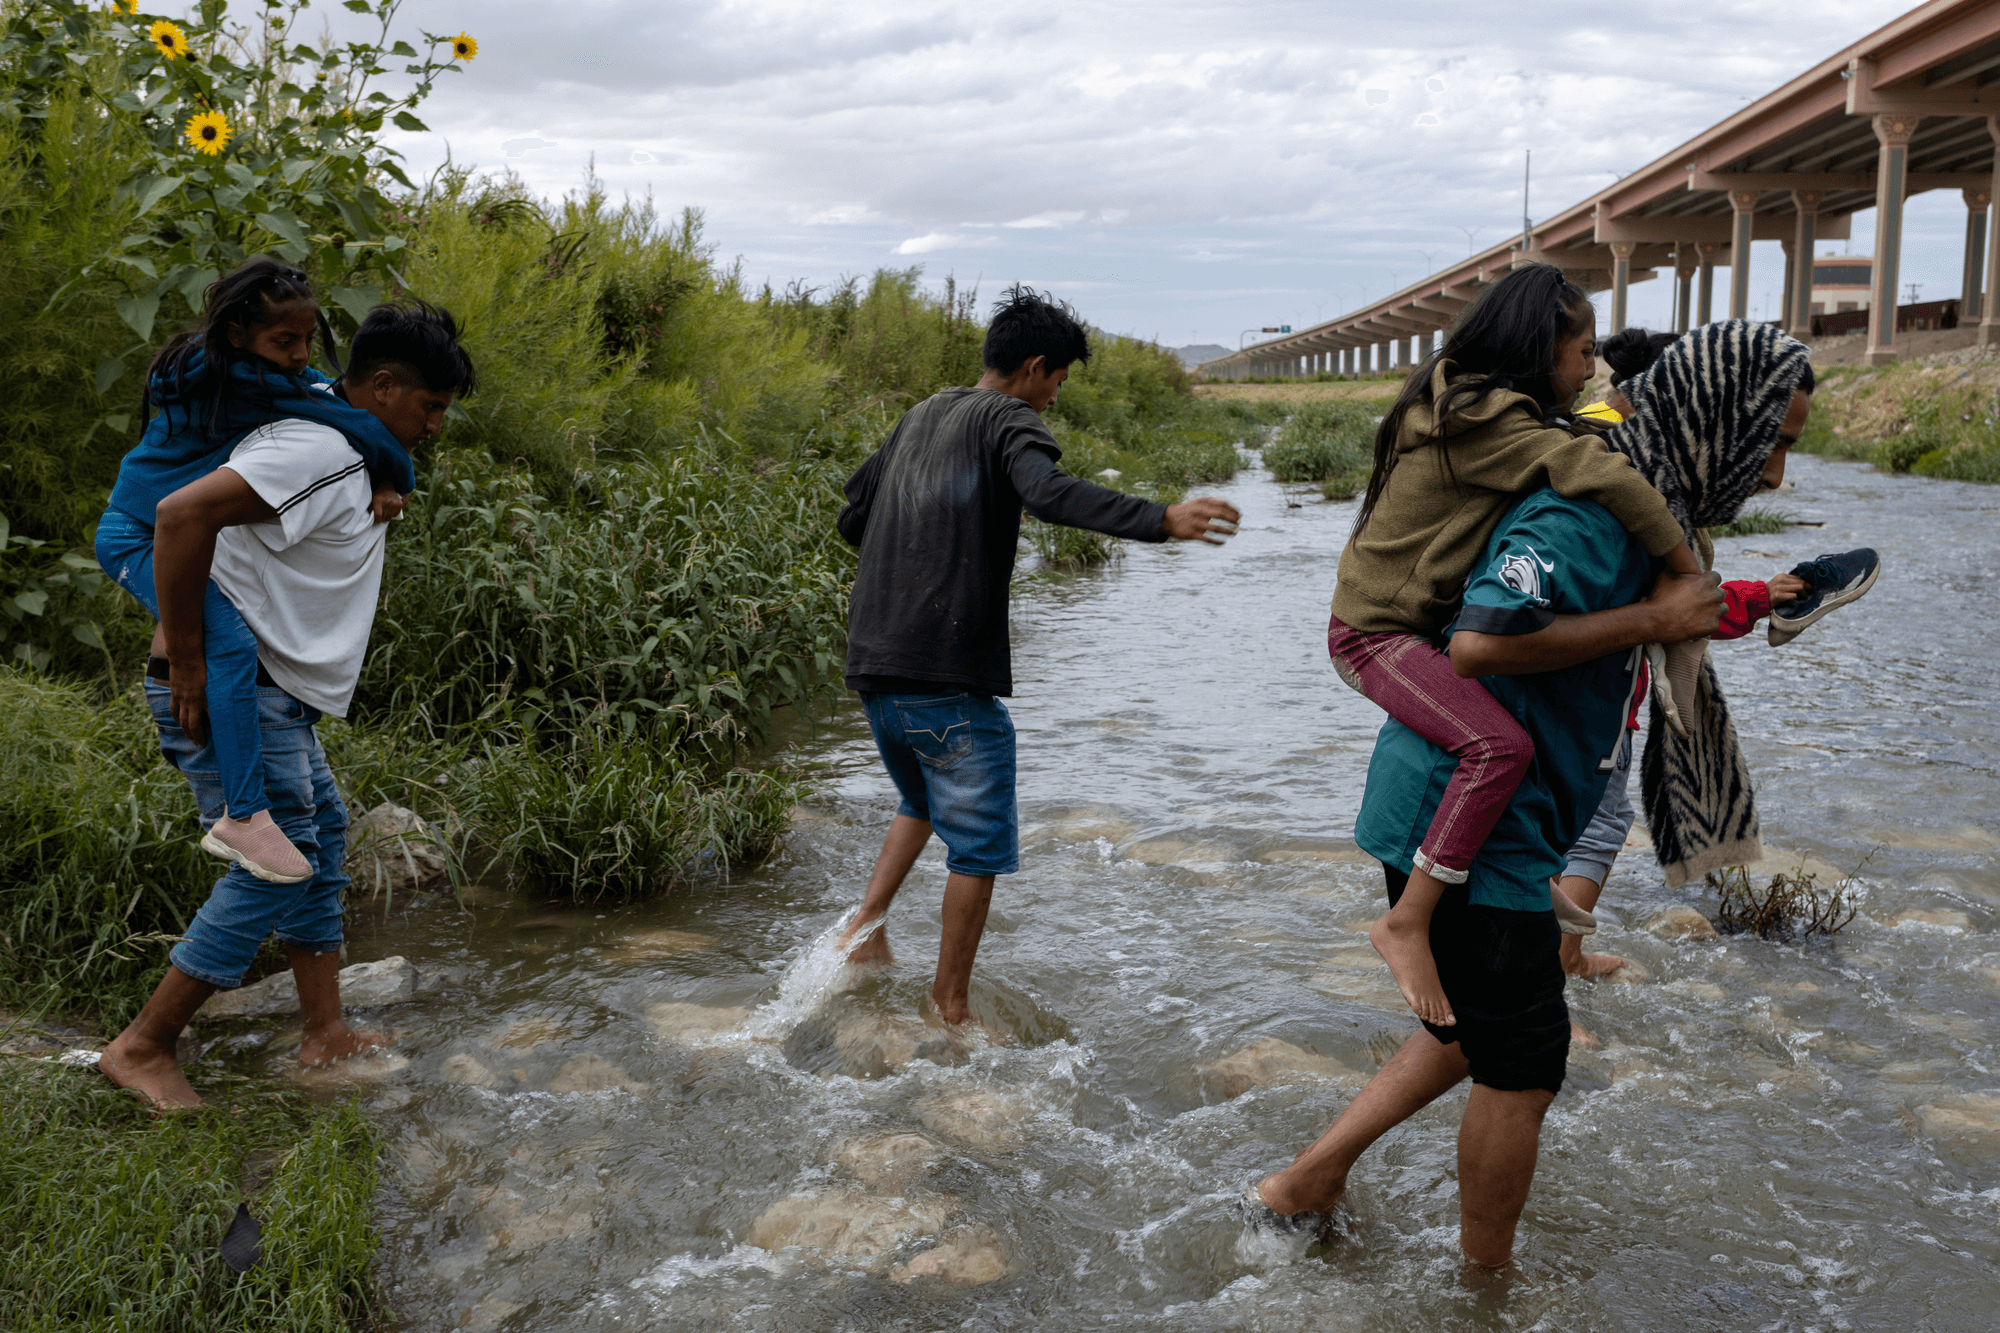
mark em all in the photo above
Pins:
pixel 951 757
pixel 242 910
pixel 1601 840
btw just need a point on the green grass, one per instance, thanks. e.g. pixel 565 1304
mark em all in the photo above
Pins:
pixel 1330 442
pixel 110 1217
pixel 1754 522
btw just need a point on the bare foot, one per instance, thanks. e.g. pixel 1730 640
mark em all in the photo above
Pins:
pixel 150 1071
pixel 874 946
pixel 336 1041
pixel 1408 954
pixel 1282 1197
pixel 1588 966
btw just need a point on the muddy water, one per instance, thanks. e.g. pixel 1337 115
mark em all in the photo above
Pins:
pixel 681 1116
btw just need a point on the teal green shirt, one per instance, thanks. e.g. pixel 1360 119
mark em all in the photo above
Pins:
pixel 1549 555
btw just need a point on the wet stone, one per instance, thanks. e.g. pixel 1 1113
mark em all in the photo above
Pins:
pixel 1682 923
pixel 393 850
pixel 1972 1120
pixel 593 1073
pixel 387 981
pixel 986 1120
pixel 847 1227
pixel 1267 1061
pixel 530 1033
pixel 693 1024
pixel 1944 917
pixel 890 1161
pixel 971 1257
pixel 465 1069
pixel 368 1067
pixel 647 945
pixel 872 1045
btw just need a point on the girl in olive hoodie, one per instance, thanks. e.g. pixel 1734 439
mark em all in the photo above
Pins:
pixel 1473 430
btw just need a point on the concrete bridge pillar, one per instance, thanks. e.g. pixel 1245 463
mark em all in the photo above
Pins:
pixel 1621 282
pixel 1892 159
pixel 1704 310
pixel 1976 204
pixel 1684 266
pixel 1745 204
pixel 1989 313
pixel 1798 303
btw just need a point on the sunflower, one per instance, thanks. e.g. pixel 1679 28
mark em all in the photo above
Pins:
pixel 125 6
pixel 463 47
pixel 171 41
pixel 209 132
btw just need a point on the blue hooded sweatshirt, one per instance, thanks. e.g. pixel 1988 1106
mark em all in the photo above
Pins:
pixel 175 450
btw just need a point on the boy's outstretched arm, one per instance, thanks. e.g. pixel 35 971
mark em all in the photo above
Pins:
pixel 184 535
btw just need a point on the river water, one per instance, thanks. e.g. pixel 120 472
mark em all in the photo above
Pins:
pixel 681 1116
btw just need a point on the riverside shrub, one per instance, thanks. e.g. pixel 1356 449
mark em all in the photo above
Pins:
pixel 1330 441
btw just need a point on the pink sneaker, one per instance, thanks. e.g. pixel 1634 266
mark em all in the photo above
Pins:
pixel 259 846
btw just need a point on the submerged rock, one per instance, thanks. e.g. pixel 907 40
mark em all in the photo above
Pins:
pixel 1972 1119
pixel 1682 923
pixel 890 1161
pixel 646 945
pixel 529 1033
pixel 693 1024
pixel 369 1067
pixel 387 981
pixel 465 1069
pixel 988 1120
pixel 872 1045
pixel 1267 1061
pixel 970 1257
pixel 848 1227
pixel 593 1073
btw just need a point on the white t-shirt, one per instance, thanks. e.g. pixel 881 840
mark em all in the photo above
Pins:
pixel 305 582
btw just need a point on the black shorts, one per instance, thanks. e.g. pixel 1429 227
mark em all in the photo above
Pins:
pixel 1503 974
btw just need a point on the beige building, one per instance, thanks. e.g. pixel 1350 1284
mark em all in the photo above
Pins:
pixel 1840 283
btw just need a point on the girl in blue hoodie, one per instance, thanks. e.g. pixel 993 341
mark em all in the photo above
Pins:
pixel 242 365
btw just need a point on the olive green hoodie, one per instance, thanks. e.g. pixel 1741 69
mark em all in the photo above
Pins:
pixel 1406 569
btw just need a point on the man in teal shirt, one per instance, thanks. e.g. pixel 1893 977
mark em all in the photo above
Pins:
pixel 1552 622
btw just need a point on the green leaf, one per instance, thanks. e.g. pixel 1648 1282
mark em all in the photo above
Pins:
pixel 296 168
pixel 357 301
pixel 33 601
pixel 149 190
pixel 358 6
pixel 86 632
pixel 140 262
pixel 283 225
pixel 194 284
pixel 139 312
pixel 118 421
pixel 402 49
pixel 406 121
pixel 108 371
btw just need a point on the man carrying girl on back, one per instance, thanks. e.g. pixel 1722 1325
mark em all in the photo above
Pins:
pixel 244 364
pixel 1482 424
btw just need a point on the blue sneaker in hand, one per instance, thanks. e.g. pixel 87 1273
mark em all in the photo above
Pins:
pixel 1832 581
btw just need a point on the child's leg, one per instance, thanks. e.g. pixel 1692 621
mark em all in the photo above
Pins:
pixel 143 1055
pixel 1416 685
pixel 125 552
pixel 1589 863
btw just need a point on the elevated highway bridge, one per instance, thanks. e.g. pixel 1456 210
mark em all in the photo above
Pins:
pixel 1912 107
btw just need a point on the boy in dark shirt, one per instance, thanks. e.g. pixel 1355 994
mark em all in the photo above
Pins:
pixel 936 512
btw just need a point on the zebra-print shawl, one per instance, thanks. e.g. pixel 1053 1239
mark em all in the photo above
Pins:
pixel 1705 419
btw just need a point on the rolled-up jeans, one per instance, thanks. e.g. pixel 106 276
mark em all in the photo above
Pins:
pixel 1601 839
pixel 242 909
pixel 125 552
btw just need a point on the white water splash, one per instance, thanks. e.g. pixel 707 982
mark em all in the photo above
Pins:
pixel 808 981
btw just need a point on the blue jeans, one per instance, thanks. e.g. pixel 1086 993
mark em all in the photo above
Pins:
pixel 242 909
pixel 951 757
pixel 1597 847
pixel 125 552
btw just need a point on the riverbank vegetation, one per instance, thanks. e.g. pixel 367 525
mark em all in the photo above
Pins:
pixel 1940 418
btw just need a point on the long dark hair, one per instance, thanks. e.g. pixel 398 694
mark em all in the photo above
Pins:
pixel 249 297
pixel 1508 338
pixel 1633 351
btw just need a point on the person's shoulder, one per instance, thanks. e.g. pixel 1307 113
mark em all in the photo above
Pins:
pixel 297 435
pixel 1549 510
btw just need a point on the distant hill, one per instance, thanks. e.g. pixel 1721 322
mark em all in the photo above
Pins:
pixel 1196 353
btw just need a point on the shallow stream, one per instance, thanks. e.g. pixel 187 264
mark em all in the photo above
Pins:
pixel 677 1116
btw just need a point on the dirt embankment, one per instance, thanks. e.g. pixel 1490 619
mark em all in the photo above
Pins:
pixel 1300 391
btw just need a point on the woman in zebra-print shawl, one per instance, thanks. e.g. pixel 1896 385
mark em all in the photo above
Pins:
pixel 1705 420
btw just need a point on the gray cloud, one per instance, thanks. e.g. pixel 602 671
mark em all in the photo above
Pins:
pixel 1202 167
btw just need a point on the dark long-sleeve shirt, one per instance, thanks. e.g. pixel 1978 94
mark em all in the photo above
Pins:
pixel 936 512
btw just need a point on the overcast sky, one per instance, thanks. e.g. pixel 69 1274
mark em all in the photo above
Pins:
pixel 1184 171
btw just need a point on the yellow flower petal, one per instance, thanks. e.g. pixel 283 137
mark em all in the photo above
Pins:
pixel 463 47
pixel 208 132
pixel 167 37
